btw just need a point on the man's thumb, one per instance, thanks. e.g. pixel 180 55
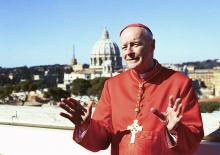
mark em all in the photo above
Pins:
pixel 158 113
pixel 90 105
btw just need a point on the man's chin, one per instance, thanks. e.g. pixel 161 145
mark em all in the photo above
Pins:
pixel 132 66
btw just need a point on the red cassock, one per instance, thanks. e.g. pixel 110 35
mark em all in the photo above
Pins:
pixel 115 112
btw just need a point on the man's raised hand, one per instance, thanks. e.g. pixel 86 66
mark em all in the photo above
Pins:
pixel 75 112
pixel 172 116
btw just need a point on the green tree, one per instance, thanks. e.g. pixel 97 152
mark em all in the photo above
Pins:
pixel 25 85
pixel 32 87
pixel 4 80
pixel 41 84
pixel 2 93
pixel 57 93
pixel 80 87
pixel 17 88
pixel 97 85
pixel 6 91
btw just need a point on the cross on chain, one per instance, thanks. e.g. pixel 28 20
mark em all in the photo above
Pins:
pixel 134 128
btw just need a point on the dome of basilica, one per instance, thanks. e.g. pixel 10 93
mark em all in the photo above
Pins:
pixel 105 50
pixel 105 46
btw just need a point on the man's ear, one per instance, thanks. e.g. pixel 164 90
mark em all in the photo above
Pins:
pixel 153 44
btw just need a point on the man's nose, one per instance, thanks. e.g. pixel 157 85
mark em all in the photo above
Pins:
pixel 129 50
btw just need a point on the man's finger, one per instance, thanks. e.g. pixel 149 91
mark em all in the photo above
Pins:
pixel 158 113
pixel 76 104
pixel 177 102
pixel 179 118
pixel 68 102
pixel 66 108
pixel 171 102
pixel 90 107
pixel 73 119
pixel 71 107
pixel 179 109
pixel 66 116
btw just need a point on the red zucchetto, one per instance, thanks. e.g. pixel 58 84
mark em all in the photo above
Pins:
pixel 136 25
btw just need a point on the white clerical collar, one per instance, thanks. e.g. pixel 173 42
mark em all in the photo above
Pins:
pixel 142 76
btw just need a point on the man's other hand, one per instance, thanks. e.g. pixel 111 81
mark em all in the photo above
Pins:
pixel 75 112
pixel 172 116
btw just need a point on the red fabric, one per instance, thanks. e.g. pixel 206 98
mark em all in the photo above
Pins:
pixel 115 111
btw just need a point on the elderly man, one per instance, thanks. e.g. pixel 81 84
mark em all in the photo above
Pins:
pixel 146 110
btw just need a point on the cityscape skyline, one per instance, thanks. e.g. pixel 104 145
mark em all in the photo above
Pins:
pixel 41 32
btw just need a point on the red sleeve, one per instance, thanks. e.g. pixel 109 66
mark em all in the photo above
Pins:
pixel 190 129
pixel 98 135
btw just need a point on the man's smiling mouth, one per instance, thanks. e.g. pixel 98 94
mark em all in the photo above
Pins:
pixel 133 59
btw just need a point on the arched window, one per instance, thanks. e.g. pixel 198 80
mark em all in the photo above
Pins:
pixel 100 61
pixel 95 61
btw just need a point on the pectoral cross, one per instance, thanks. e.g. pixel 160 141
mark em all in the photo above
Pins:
pixel 134 128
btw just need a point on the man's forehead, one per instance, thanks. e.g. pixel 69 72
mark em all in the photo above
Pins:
pixel 133 30
pixel 132 34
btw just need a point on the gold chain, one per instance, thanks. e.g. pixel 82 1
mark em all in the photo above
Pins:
pixel 139 97
pixel 141 90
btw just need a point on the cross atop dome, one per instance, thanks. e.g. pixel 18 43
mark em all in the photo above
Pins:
pixel 105 34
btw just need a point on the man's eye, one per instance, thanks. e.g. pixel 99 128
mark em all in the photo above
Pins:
pixel 124 48
pixel 136 44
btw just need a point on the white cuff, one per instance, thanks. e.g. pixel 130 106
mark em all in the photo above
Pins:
pixel 171 138
pixel 80 134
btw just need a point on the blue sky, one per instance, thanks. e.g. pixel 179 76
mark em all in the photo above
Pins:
pixel 41 32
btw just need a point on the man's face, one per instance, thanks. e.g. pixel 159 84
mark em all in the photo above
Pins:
pixel 137 49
